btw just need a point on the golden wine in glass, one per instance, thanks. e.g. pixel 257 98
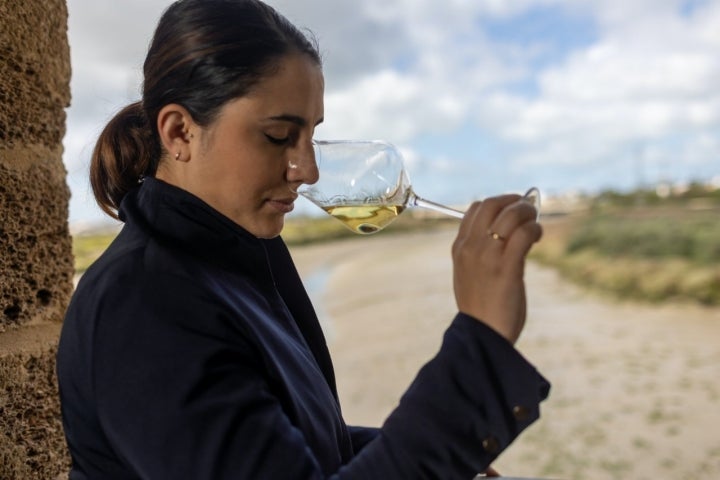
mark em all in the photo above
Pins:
pixel 365 185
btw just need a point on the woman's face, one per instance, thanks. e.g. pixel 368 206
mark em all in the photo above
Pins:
pixel 250 161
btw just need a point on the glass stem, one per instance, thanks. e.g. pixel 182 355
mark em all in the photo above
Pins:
pixel 415 201
pixel 532 196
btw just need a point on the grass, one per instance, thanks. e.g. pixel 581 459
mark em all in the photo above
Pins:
pixel 690 237
pixel 88 246
pixel 650 253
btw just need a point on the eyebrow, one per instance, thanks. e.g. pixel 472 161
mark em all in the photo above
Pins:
pixel 297 120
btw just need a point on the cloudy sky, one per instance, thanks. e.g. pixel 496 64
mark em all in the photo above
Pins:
pixel 482 96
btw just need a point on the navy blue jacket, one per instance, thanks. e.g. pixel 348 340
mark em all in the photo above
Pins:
pixel 190 350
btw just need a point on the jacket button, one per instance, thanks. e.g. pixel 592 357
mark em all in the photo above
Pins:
pixel 491 445
pixel 521 413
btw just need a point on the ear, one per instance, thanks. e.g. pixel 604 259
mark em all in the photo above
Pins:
pixel 175 126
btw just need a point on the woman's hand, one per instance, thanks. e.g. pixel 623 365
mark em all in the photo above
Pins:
pixel 489 262
pixel 491 472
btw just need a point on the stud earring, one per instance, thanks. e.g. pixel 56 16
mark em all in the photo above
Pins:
pixel 177 156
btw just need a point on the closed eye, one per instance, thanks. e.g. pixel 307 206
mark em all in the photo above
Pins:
pixel 276 140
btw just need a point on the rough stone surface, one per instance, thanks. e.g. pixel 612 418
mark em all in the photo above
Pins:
pixel 36 263
pixel 34 72
pixel 32 444
pixel 36 260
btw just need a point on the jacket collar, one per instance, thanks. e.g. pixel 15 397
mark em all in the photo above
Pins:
pixel 181 220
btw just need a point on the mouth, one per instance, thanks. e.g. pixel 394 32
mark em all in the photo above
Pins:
pixel 283 205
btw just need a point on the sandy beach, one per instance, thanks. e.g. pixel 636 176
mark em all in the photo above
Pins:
pixel 636 390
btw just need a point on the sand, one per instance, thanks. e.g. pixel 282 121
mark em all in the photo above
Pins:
pixel 635 387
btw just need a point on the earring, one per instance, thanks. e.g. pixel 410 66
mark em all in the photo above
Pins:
pixel 177 156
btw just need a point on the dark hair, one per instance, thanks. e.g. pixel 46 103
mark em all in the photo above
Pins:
pixel 204 54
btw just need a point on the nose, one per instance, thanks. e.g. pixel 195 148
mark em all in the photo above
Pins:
pixel 302 167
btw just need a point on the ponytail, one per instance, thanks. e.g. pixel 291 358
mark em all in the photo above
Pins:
pixel 204 54
pixel 126 151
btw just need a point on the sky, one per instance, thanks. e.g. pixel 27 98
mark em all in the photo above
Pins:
pixel 481 96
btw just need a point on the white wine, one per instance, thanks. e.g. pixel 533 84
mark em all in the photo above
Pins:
pixel 365 218
pixel 364 184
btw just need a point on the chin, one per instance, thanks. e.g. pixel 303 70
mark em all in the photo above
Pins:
pixel 269 231
pixel 268 236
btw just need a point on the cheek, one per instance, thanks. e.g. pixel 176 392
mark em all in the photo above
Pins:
pixel 263 168
pixel 253 178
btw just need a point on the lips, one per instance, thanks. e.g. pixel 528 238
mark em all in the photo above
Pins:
pixel 283 205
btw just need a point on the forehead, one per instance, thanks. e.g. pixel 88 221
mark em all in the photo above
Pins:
pixel 295 78
pixel 293 90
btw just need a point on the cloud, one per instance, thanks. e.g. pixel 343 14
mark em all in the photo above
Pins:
pixel 559 92
pixel 639 84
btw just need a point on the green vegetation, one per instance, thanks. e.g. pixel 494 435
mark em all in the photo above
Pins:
pixel 87 247
pixel 659 250
pixel 695 193
pixel 691 236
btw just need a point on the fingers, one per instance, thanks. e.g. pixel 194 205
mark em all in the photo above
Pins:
pixel 501 223
pixel 489 259
pixel 523 237
pixel 515 229
pixel 514 216
pixel 479 217
pixel 481 214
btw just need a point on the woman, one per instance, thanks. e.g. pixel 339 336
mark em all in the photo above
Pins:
pixel 190 349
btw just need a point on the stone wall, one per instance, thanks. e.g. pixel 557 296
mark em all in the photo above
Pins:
pixel 35 248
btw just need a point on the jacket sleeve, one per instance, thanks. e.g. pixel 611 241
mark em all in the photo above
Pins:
pixel 464 407
pixel 180 400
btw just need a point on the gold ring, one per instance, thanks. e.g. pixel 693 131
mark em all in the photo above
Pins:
pixel 495 236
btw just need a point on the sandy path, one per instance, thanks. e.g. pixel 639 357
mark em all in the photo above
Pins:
pixel 635 388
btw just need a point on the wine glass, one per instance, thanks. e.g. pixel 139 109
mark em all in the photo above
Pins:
pixel 365 185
